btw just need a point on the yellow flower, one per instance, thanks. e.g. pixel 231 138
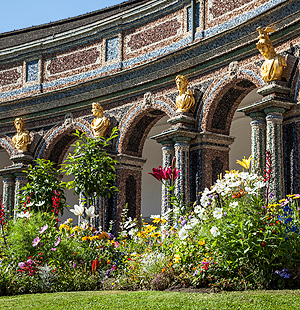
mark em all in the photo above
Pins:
pixel 84 238
pixel 159 220
pixel 163 270
pixel 177 258
pixel 202 242
pixel 245 162
pixel 155 235
pixel 108 262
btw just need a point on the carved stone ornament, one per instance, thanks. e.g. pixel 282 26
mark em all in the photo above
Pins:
pixel 273 66
pixel 22 138
pixel 148 99
pixel 185 101
pixel 100 123
pixel 68 120
pixel 233 70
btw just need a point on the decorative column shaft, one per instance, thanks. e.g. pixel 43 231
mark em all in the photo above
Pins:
pixel 182 147
pixel 274 144
pixel 8 195
pixel 258 140
pixel 20 181
pixel 167 156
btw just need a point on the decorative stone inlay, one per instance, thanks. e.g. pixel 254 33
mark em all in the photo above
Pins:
pixel 8 194
pixel 182 147
pixel 32 70
pixel 190 17
pixel 112 49
pixel 219 8
pixel 9 77
pixel 155 34
pixel 73 61
pixel 20 182
pixel 167 156
pixel 274 144
pixel 258 140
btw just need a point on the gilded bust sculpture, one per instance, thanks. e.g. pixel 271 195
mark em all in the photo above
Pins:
pixel 22 138
pixel 100 123
pixel 185 101
pixel 272 68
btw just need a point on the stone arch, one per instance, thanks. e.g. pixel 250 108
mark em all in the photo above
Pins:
pixel 223 98
pixel 58 139
pixel 8 146
pixel 138 121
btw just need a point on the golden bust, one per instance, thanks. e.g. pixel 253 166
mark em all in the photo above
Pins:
pixel 185 101
pixel 22 138
pixel 100 123
pixel 272 68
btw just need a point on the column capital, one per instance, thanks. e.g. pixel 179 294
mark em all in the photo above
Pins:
pixel 257 115
pixel 274 111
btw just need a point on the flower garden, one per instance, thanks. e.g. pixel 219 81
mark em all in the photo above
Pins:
pixel 235 238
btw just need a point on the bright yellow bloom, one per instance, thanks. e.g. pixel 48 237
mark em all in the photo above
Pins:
pixel 202 242
pixel 159 220
pixel 84 238
pixel 177 258
pixel 155 235
pixel 245 162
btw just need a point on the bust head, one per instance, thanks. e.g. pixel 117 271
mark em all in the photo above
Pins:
pixel 97 109
pixel 181 82
pixel 264 43
pixel 19 124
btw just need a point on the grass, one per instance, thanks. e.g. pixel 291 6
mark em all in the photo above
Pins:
pixel 115 300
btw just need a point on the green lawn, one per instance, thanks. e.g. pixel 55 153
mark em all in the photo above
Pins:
pixel 113 300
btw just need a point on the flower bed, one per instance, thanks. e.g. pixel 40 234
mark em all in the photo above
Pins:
pixel 233 239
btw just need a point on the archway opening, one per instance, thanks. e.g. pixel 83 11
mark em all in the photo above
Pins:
pixel 151 188
pixel 240 129
pixel 4 162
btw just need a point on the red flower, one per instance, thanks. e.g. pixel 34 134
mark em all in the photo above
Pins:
pixel 95 264
pixel 262 244
pixel 167 173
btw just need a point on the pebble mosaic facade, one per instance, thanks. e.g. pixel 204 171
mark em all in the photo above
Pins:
pixel 127 60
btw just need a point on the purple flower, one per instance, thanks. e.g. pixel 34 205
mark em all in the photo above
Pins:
pixel 283 273
pixel 183 222
pixel 43 228
pixel 271 195
pixel 111 236
pixel 57 242
pixel 74 265
pixel 21 265
pixel 36 241
pixel 71 236
pixel 53 249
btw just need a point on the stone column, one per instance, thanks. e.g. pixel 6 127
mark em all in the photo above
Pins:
pixel 20 181
pixel 8 194
pixel 167 157
pixel 258 141
pixel 274 144
pixel 182 148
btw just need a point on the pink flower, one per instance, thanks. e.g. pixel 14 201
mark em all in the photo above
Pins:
pixel 57 242
pixel 53 249
pixel 43 228
pixel 36 241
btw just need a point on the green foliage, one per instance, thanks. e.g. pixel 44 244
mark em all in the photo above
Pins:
pixel 42 186
pixel 92 167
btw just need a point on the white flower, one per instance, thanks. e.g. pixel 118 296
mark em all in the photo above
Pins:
pixel 23 215
pixel 233 204
pixel 78 210
pixel 201 214
pixel 154 216
pixel 194 222
pixel 132 231
pixel 182 234
pixel 90 212
pixel 39 204
pixel 218 212
pixel 215 231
